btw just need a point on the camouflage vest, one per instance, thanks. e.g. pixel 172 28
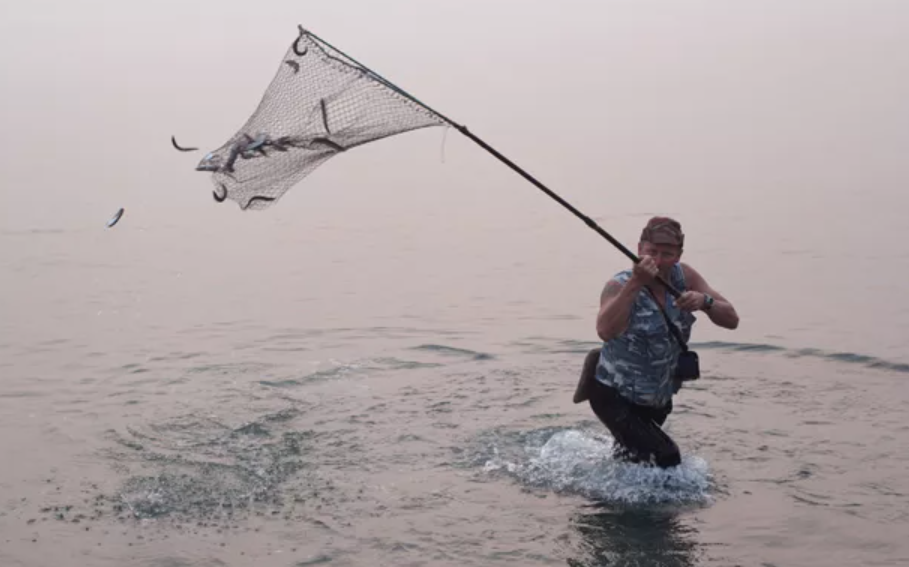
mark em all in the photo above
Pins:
pixel 640 363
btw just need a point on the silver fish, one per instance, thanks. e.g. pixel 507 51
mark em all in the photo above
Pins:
pixel 115 219
pixel 211 162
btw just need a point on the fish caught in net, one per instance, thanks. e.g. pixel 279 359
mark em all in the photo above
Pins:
pixel 319 104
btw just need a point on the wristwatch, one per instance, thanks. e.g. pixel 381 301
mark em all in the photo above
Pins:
pixel 708 302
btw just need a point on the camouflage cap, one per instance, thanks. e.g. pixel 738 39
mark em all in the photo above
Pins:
pixel 663 230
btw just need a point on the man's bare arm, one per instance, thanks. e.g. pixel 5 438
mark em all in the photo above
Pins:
pixel 722 313
pixel 615 307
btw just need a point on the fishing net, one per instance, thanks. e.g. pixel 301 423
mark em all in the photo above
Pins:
pixel 320 103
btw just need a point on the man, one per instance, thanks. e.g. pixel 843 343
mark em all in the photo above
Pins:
pixel 630 381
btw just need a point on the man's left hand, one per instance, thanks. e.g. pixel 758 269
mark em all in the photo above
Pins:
pixel 690 301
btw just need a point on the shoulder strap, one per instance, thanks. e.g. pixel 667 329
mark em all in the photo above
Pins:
pixel 673 330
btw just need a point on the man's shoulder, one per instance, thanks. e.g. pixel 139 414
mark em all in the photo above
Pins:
pixel 615 284
pixel 688 273
pixel 622 276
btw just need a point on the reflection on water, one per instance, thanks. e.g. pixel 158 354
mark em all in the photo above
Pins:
pixel 632 537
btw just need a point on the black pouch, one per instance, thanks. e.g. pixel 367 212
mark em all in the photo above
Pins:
pixel 688 367
pixel 588 373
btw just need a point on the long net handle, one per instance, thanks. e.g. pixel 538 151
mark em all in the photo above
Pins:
pixel 463 130
pixel 587 220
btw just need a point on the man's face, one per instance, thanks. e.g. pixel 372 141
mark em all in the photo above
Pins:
pixel 665 255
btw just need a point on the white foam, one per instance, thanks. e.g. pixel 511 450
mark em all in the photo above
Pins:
pixel 579 462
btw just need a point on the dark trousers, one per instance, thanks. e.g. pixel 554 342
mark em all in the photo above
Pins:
pixel 636 428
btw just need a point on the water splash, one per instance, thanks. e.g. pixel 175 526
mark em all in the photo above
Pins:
pixel 578 462
pixel 196 468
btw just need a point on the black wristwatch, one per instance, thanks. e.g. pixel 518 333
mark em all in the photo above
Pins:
pixel 708 302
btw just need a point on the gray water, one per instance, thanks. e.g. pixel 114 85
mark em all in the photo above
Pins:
pixel 379 369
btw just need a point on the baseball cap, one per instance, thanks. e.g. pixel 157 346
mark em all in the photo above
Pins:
pixel 663 230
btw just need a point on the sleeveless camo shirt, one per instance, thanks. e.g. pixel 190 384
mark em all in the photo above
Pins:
pixel 640 363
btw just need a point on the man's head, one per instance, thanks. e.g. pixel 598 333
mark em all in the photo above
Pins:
pixel 662 239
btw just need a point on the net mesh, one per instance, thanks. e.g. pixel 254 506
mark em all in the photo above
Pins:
pixel 320 103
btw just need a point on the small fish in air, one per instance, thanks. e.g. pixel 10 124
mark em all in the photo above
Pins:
pixel 115 219
pixel 173 140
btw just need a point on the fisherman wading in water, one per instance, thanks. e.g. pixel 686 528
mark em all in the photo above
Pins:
pixel 630 381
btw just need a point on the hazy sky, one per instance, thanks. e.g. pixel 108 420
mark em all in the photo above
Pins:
pixel 777 130
pixel 721 100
